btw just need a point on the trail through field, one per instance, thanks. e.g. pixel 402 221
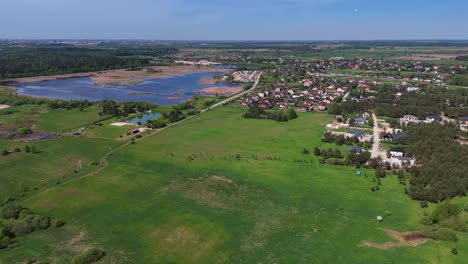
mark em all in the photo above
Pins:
pixel 405 239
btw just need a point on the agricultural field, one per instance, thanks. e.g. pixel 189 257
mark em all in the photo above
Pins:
pixel 219 188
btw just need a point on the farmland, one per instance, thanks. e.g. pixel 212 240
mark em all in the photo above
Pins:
pixel 222 189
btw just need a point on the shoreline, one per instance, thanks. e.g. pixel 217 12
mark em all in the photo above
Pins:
pixel 221 90
pixel 122 77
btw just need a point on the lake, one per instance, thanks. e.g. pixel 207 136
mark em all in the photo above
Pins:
pixel 162 91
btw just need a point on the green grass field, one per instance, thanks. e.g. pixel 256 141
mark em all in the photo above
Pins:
pixel 223 189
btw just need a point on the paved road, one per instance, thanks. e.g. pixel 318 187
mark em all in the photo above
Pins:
pixel 235 97
pixel 375 146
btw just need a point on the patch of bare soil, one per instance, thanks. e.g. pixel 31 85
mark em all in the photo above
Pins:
pixel 9 132
pixel 405 239
pixel 222 90
pixel 123 77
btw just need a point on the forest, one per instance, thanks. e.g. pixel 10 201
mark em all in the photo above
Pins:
pixel 443 168
pixel 29 61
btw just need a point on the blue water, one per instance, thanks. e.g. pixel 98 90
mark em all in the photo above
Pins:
pixel 155 91
pixel 142 119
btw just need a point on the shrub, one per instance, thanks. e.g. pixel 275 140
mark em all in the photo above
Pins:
pixel 24 213
pixel 423 204
pixel 23 131
pixel 21 228
pixel 425 221
pixel 443 234
pixel 10 211
pixel 305 151
pixel 4 241
pixel 455 223
pixel 445 210
pixel 57 223
pixel 4 152
pixel 40 222
pixel 454 251
pixel 89 256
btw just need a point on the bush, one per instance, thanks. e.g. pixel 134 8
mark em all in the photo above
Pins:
pixel 89 256
pixel 455 223
pixel 305 151
pixel 423 204
pixel 21 228
pixel 445 210
pixel 23 131
pixel 454 251
pixel 57 223
pixel 10 211
pixel 4 241
pixel 425 221
pixel 443 234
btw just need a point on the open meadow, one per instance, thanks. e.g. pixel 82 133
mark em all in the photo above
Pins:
pixel 219 188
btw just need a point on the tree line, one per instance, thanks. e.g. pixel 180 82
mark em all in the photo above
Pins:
pixel 36 61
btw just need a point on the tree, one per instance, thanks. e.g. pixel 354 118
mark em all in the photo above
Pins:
pixel 27 148
pixel 316 151
pixel 291 113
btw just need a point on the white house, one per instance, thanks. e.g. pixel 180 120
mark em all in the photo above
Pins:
pixel 397 152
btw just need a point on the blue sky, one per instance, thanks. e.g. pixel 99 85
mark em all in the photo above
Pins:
pixel 234 19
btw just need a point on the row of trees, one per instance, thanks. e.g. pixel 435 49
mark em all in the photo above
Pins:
pixel 114 108
pixel 256 112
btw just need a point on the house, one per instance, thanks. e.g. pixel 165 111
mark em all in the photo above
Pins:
pixel 409 118
pixel 402 161
pixel 360 120
pixel 283 106
pixel 133 131
pixel 355 149
pixel 432 118
pixel 464 119
pixel 412 89
pixel 353 133
pixel 397 152
pixel 303 108
pixel 395 136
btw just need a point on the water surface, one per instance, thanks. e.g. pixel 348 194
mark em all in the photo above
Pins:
pixel 143 118
pixel 161 91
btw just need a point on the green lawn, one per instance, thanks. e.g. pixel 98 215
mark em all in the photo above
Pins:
pixel 46 119
pixel 223 189
pixel 56 159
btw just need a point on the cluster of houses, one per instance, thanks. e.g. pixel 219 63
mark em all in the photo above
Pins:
pixel 245 76
pixel 411 119
pixel 386 66
pixel 283 96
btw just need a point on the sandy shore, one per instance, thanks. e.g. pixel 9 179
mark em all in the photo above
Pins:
pixel 222 90
pixel 205 80
pixel 124 77
pixel 3 106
